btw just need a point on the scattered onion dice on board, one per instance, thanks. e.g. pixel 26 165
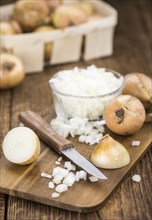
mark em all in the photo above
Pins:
pixel 62 178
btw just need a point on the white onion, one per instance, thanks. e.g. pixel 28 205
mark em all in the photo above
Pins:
pixel 60 171
pixel 60 159
pixel 51 185
pixel 69 165
pixel 21 146
pixel 46 175
pixel 91 81
pixel 89 132
pixel 82 175
pixel 93 179
pixel 69 179
pixel 61 188
pixel 136 178
pixel 55 195
pixel 57 179
pixel 135 143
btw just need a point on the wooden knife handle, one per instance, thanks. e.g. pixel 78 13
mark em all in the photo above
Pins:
pixel 44 131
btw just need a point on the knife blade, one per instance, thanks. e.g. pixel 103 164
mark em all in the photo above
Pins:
pixel 58 143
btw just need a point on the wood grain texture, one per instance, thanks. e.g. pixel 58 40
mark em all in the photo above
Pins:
pixel 2 206
pixel 131 53
pixel 5 124
pixel 38 211
pixel 25 181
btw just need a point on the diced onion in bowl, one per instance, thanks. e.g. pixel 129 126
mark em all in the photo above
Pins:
pixel 84 92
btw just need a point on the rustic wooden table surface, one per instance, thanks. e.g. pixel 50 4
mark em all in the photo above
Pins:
pixel 132 52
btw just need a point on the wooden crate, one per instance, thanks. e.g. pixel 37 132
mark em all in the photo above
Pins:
pixel 67 43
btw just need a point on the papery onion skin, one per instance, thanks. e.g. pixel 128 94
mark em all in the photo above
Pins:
pixel 124 115
pixel 86 7
pixel 110 154
pixel 140 86
pixel 10 27
pixel 66 15
pixel 16 27
pixel 54 4
pixel 11 71
pixel 6 28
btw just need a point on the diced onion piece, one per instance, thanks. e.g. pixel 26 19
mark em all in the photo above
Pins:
pixel 57 163
pixel 98 124
pixel 93 179
pixel 80 175
pixel 57 179
pixel 46 175
pixel 82 138
pixel 21 125
pixel 77 176
pixel 69 179
pixel 61 188
pixel 135 143
pixel 69 165
pixel 60 159
pixel 83 175
pixel 60 171
pixel 136 178
pixel 55 195
pixel 51 185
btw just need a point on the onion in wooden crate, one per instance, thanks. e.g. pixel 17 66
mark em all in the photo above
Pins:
pixel 67 43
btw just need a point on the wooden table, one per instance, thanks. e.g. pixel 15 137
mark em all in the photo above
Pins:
pixel 132 52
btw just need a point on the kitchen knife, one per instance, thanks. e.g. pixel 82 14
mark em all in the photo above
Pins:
pixel 59 144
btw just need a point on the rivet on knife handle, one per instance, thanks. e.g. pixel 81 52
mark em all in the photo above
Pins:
pixel 44 131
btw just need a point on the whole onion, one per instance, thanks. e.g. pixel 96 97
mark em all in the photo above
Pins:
pixel 124 115
pixel 140 86
pixel 11 71
pixel 10 27
pixel 31 14
pixel 66 15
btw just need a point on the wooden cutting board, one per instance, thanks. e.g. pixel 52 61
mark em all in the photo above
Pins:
pixel 84 196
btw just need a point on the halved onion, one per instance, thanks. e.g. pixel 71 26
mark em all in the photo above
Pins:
pixel 21 146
